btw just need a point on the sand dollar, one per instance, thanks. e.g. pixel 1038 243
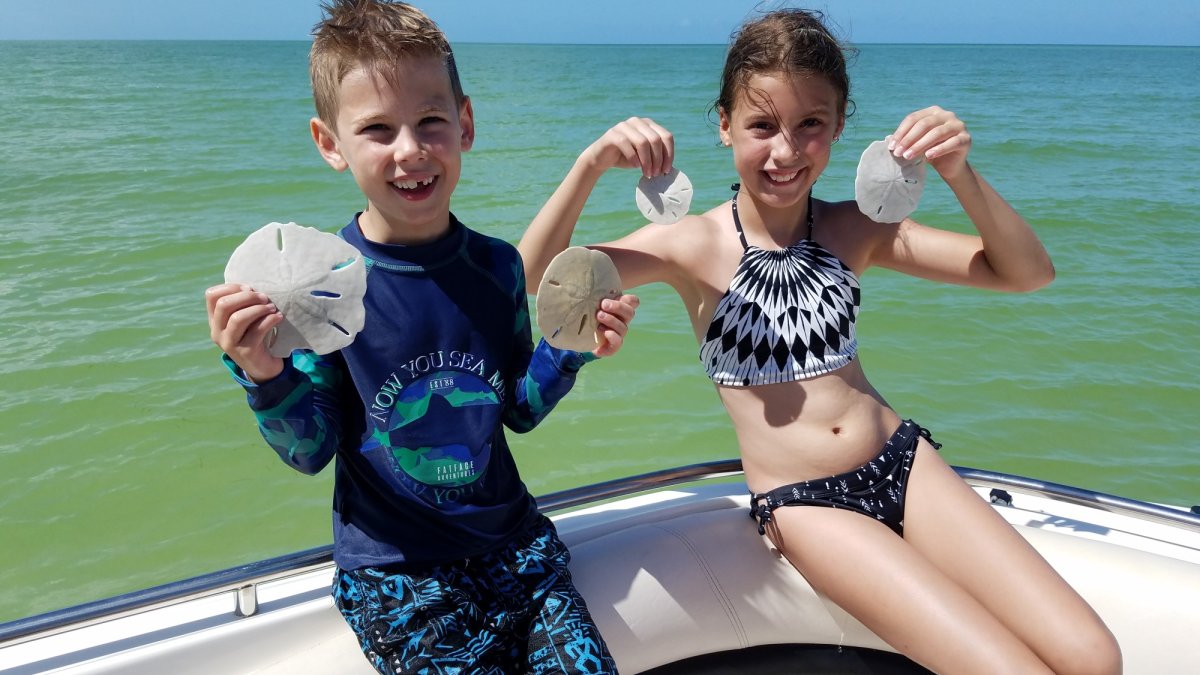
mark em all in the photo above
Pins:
pixel 664 199
pixel 886 187
pixel 316 279
pixel 570 294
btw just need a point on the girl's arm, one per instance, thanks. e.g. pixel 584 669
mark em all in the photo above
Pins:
pixel 634 143
pixel 1006 255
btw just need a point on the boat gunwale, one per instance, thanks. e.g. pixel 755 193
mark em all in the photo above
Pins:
pixel 247 577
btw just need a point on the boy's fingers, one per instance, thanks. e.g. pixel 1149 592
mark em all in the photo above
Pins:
pixel 257 333
pixel 624 308
pixel 214 293
pixel 612 323
pixel 236 328
pixel 610 342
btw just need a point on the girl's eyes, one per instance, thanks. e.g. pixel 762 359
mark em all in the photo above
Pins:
pixel 766 126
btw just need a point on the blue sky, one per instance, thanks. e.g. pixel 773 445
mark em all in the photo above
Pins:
pixel 1157 22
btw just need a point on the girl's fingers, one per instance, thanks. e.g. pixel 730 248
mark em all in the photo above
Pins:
pixel 214 293
pixel 614 317
pixel 930 130
pixel 647 145
pixel 958 142
pixel 612 323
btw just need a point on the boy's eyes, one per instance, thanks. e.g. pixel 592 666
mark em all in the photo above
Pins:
pixel 382 127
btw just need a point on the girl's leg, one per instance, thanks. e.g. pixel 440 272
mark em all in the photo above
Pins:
pixel 963 537
pixel 894 590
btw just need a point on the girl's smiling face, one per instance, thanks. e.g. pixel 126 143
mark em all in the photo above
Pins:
pixel 781 128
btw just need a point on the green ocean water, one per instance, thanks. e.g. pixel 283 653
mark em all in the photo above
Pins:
pixel 131 170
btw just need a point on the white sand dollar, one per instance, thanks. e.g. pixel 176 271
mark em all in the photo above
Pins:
pixel 888 187
pixel 570 294
pixel 664 199
pixel 316 279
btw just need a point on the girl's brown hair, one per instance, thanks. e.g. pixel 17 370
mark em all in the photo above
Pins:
pixel 787 41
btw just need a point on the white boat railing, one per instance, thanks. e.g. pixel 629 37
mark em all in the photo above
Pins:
pixel 244 580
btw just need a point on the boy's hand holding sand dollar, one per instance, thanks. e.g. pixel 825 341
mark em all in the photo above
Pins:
pixel 580 305
pixel 287 287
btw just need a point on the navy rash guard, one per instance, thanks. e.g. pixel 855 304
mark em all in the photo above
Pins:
pixel 414 409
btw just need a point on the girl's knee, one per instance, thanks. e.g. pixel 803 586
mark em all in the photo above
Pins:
pixel 1096 653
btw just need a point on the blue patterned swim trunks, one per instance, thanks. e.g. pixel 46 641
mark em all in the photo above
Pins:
pixel 515 610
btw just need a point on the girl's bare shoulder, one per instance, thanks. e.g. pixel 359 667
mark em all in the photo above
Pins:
pixel 691 234
pixel 678 252
pixel 843 229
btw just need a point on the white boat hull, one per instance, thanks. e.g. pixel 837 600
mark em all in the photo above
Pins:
pixel 668 576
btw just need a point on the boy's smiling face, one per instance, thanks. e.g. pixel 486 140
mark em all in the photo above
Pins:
pixel 402 137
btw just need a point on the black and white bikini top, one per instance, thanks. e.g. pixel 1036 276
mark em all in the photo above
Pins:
pixel 788 315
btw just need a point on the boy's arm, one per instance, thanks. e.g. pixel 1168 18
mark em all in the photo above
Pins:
pixel 540 377
pixel 298 411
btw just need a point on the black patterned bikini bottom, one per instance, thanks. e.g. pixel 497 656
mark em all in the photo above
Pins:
pixel 875 489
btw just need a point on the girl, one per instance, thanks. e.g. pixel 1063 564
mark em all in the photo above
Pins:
pixel 855 497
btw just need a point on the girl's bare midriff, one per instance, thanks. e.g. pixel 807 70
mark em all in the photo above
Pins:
pixel 795 431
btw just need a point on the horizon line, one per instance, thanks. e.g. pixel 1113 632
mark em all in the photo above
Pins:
pixel 625 44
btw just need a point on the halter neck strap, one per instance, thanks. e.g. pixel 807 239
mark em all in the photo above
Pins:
pixel 737 222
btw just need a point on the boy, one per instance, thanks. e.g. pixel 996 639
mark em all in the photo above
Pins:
pixel 444 563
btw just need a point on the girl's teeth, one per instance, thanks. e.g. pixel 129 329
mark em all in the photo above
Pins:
pixel 783 178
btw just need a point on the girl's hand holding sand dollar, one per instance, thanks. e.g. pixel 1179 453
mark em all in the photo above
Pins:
pixel 664 194
pixel 636 143
pixel 935 134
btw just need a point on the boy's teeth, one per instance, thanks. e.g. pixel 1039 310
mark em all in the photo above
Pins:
pixel 412 184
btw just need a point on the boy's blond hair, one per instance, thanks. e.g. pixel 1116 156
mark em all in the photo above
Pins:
pixel 375 35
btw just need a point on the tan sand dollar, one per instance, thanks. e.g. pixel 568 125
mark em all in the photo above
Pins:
pixel 570 294
pixel 316 279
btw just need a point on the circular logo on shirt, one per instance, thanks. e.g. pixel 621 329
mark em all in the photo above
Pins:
pixel 439 428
